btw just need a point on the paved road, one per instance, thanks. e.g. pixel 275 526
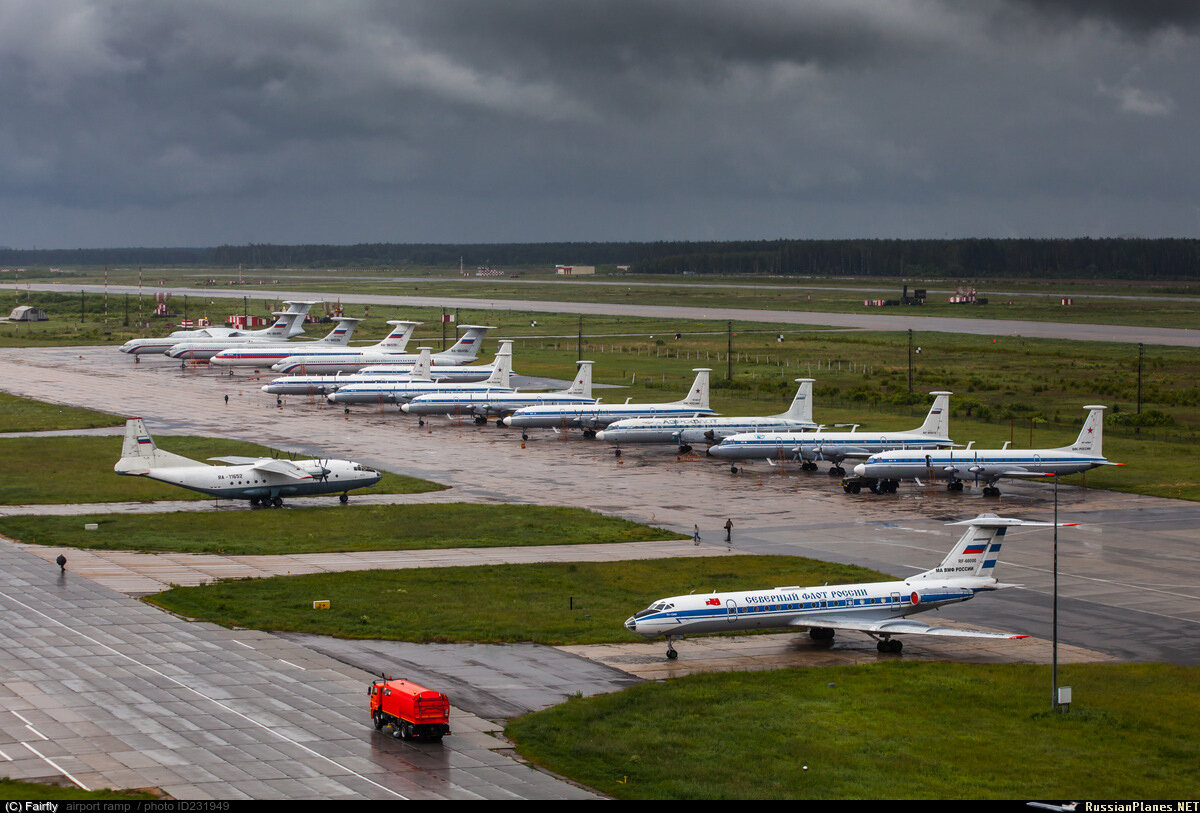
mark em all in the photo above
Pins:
pixel 984 327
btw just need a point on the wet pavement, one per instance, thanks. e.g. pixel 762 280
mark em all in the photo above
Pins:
pixel 1129 574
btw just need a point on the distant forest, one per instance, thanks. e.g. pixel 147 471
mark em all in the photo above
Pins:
pixel 1125 258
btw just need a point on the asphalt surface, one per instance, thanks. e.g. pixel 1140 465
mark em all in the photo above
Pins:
pixel 1129 589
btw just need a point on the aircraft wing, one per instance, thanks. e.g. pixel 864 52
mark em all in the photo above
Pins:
pixel 237 461
pixel 1019 473
pixel 897 626
pixel 284 467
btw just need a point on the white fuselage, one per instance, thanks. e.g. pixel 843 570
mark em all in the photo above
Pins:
pixel 985 465
pixel 240 482
pixel 788 607
pixel 487 403
pixel 595 416
pixel 812 446
pixel 325 384
pixel 690 429
pixel 348 360
pixel 400 391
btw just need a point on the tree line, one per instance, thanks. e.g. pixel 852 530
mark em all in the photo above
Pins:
pixel 1126 258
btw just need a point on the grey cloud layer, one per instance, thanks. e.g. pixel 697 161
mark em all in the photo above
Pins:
pixel 154 123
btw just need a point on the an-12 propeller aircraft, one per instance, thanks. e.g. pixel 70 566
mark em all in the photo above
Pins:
pixel 261 480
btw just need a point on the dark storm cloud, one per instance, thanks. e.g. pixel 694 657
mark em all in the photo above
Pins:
pixel 217 121
pixel 1141 16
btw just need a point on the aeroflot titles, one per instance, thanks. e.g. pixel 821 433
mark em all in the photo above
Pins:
pixel 817 595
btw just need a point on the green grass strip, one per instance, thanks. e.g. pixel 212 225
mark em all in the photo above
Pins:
pixel 549 603
pixel 27 415
pixel 894 730
pixel 80 470
pixel 333 528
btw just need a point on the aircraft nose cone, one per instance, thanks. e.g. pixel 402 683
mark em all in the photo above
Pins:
pixel 600 435
pixel 861 469
pixel 331 398
pixel 404 407
pixel 631 624
pixel 508 421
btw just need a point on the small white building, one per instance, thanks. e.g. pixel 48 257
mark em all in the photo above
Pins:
pixel 574 270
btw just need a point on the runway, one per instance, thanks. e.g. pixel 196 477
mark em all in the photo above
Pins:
pixel 1129 583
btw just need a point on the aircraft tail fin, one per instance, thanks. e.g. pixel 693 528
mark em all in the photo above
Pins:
pixel 139 453
pixel 467 347
pixel 697 397
pixel 802 407
pixel 1091 436
pixel 342 331
pixel 397 340
pixel 502 367
pixel 286 325
pixel 974 555
pixel 297 326
pixel 421 367
pixel 582 385
pixel 937 422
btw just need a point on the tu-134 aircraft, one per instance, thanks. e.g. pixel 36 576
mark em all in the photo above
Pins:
pixel 880 610
pixel 212 349
pixel 401 389
pixel 287 324
pixel 350 359
pixel 263 481
pixel 882 472
pixel 493 402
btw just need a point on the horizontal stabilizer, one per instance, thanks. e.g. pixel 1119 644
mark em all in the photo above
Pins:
pixel 898 626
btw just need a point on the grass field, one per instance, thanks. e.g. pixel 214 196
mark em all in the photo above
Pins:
pixel 893 730
pixel 38 792
pixel 326 529
pixel 550 603
pixel 80 470
pixel 27 415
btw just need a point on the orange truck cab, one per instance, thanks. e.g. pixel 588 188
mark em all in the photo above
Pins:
pixel 412 711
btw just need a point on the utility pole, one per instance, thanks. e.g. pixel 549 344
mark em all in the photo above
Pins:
pixel 579 340
pixel 729 352
pixel 1139 404
pixel 910 359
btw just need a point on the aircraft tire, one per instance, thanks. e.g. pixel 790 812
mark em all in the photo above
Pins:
pixel 277 502
pixel 343 499
pixel 672 654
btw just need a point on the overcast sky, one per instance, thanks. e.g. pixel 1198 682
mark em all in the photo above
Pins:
pixel 201 122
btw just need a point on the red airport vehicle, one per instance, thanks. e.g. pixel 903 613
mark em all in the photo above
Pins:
pixel 413 711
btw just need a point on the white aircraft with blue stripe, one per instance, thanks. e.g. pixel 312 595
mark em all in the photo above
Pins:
pixel 686 430
pixel 481 404
pixel 882 472
pixel 263 481
pixel 399 390
pixel 835 447
pixel 257 352
pixel 294 327
pixel 351 359
pixel 375 374
pixel 591 417
pixel 880 609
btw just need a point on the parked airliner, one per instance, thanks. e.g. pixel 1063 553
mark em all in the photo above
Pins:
pixel 880 609
pixel 264 355
pixel 686 430
pixel 211 349
pixel 279 329
pixel 400 390
pixel 599 415
pixel 882 472
pixel 328 362
pixel 482 404
pixel 262 481
pixel 837 446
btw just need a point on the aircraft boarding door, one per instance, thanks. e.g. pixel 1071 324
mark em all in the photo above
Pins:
pixel 896 600
pixel 730 610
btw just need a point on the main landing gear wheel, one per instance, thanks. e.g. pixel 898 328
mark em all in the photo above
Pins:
pixel 480 420
pixel 589 433
pixel 820 634
pixel 733 469
pixel 837 471
pixel 991 491
pixel 343 499
pixel 671 653
pixel 277 502
pixel 890 645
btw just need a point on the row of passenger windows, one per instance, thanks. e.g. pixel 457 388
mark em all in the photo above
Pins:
pixel 814 605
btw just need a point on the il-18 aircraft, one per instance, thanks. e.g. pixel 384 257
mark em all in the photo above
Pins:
pixel 837 446
pixel 591 417
pixel 482 404
pixel 375 374
pixel 398 390
pixel 880 609
pixel 350 359
pixel 262 481
pixel 882 472
pixel 686 430
pixel 210 349
pixel 280 329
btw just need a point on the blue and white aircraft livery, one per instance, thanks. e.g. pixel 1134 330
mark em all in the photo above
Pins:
pixel 686 430
pixel 484 403
pixel 837 446
pixel 591 417
pixel 284 327
pixel 882 472
pixel 880 610
pixel 399 390
pixel 263 481
pixel 260 349
pixel 350 359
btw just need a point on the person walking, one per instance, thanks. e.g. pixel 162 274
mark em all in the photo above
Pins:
pixel 696 535
pixel 728 530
